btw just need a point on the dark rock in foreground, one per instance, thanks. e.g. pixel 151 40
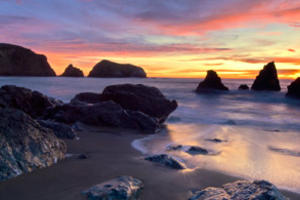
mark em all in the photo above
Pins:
pixel 25 145
pixel 72 71
pixel 243 87
pixel 59 129
pixel 121 188
pixel 260 190
pixel 267 79
pixel 294 89
pixel 167 161
pixel 211 83
pixel 87 97
pixel 107 68
pixel 18 61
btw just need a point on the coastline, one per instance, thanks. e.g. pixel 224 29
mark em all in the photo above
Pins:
pixel 110 154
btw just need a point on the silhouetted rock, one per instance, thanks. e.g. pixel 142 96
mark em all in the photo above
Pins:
pixel 244 87
pixel 294 89
pixel 121 188
pixel 107 68
pixel 25 145
pixel 262 190
pixel 267 79
pixel 59 129
pixel 148 100
pixel 72 71
pixel 211 83
pixel 194 150
pixel 167 161
pixel 86 97
pixel 19 61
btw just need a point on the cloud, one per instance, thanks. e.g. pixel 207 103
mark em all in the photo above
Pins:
pixel 291 50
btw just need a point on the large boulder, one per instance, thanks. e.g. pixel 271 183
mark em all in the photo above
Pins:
pixel 107 68
pixel 72 71
pixel 166 160
pixel 59 129
pixel 86 97
pixel 294 89
pixel 19 61
pixel 211 83
pixel 148 100
pixel 262 190
pixel 267 79
pixel 25 145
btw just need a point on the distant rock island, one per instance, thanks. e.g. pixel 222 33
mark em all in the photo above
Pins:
pixel 19 61
pixel 107 69
pixel 211 83
pixel 72 71
pixel 294 89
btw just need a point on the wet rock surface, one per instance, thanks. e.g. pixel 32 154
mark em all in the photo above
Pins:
pixel 59 129
pixel 211 83
pixel 294 89
pixel 166 160
pixel 72 71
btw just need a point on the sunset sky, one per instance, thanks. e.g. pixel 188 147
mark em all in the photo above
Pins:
pixel 168 38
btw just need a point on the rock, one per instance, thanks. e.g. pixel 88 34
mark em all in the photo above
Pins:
pixel 194 150
pixel 86 97
pixel 60 130
pixel 294 89
pixel 211 83
pixel 121 188
pixel 167 161
pixel 267 79
pixel 107 68
pixel 25 145
pixel 19 61
pixel 262 190
pixel 72 71
pixel 174 147
pixel 244 87
pixel 82 156
pixel 31 102
pixel 146 99
pixel 215 140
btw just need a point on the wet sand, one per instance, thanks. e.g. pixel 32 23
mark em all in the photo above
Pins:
pixel 110 155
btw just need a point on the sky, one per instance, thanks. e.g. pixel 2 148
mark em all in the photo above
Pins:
pixel 168 38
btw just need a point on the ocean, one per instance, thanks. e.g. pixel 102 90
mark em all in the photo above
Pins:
pixel 259 131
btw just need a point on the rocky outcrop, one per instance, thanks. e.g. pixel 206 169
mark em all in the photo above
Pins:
pixel 19 61
pixel 25 145
pixel 60 130
pixel 240 190
pixel 211 83
pixel 86 97
pixel 166 160
pixel 267 79
pixel 294 89
pixel 243 87
pixel 72 71
pixel 107 68
pixel 121 188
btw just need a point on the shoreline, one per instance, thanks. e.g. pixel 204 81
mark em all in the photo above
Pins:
pixel 110 154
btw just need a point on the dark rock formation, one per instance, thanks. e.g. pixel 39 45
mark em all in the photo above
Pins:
pixel 87 97
pixel 107 68
pixel 167 161
pixel 72 71
pixel 215 140
pixel 211 83
pixel 194 150
pixel 294 89
pixel 59 129
pixel 267 79
pixel 25 145
pixel 19 61
pixel 240 190
pixel 148 100
pixel 121 188
pixel 244 87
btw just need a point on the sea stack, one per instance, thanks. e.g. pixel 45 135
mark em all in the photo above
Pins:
pixel 267 79
pixel 107 69
pixel 72 71
pixel 19 61
pixel 211 83
pixel 243 87
pixel 294 89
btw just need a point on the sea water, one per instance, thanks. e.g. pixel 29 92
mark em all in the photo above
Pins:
pixel 259 131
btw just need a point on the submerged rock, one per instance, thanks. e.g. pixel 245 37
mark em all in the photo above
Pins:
pixel 211 83
pixel 106 68
pixel 167 161
pixel 239 190
pixel 19 61
pixel 194 150
pixel 121 188
pixel 25 145
pixel 267 79
pixel 72 71
pixel 243 87
pixel 87 97
pixel 59 129
pixel 294 89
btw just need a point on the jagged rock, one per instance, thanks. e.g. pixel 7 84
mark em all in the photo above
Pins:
pixel 19 61
pixel 25 145
pixel 86 97
pixel 121 188
pixel 211 83
pixel 294 89
pixel 239 190
pixel 31 102
pixel 59 129
pixel 106 68
pixel 244 87
pixel 267 79
pixel 72 71
pixel 148 100
pixel 167 161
